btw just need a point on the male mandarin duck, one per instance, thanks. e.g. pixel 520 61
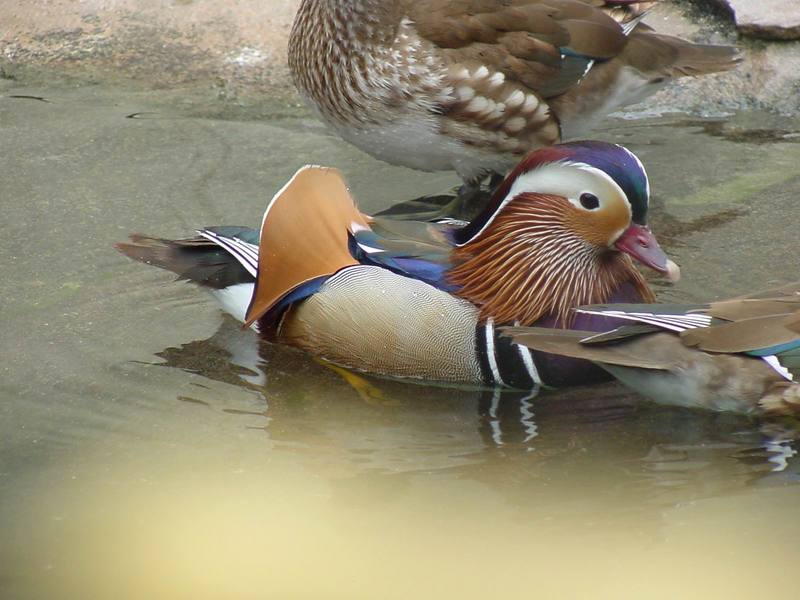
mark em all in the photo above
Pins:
pixel 414 299
pixel 474 85
pixel 731 355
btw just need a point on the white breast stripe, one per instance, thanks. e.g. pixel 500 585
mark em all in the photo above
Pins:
pixel 773 362
pixel 490 355
pixel 245 256
pixel 527 360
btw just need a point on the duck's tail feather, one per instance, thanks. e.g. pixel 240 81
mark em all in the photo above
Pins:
pixel 669 56
pixel 196 259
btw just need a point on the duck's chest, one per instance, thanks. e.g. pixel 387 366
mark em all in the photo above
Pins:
pixel 371 319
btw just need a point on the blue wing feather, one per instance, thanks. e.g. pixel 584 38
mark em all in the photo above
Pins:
pixel 422 254
pixel 776 350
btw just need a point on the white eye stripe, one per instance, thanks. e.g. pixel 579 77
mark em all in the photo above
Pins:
pixel 603 175
pixel 567 179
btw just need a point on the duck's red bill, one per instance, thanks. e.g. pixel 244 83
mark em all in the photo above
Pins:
pixel 640 243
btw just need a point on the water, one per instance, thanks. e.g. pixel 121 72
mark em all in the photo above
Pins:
pixel 151 449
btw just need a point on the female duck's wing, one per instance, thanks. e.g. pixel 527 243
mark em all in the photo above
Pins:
pixel 784 299
pixel 505 59
pixel 546 45
pixel 760 324
pixel 759 336
pixel 515 65
pixel 755 326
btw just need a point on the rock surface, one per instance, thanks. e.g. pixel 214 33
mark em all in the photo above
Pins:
pixel 767 19
pixel 232 46
pixel 233 54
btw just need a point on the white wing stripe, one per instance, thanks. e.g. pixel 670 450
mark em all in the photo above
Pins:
pixel 671 322
pixel 243 256
pixel 688 323
pixel 249 249
pixel 530 366
pixel 637 318
pixel 244 247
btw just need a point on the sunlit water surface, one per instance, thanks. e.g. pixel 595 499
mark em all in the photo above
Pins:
pixel 152 449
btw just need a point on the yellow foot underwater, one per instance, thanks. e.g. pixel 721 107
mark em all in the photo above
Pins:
pixel 368 392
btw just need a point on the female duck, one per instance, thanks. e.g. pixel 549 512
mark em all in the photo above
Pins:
pixel 473 85
pixel 731 355
pixel 413 299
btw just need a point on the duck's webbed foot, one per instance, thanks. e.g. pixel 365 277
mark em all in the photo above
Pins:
pixel 495 179
pixel 472 197
pixel 461 204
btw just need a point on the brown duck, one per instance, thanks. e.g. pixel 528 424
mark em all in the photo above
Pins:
pixel 734 355
pixel 473 85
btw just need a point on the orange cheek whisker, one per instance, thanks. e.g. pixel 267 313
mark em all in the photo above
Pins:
pixel 535 260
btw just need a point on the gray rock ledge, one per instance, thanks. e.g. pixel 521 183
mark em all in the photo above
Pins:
pixel 766 19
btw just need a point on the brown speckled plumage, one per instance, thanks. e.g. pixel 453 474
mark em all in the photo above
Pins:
pixel 472 85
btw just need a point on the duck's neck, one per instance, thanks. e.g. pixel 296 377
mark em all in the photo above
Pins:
pixel 528 264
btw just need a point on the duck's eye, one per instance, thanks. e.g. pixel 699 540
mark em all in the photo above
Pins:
pixel 589 201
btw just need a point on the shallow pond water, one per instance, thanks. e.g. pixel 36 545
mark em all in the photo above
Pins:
pixel 152 449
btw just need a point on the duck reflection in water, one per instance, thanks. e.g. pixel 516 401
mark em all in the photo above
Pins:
pixel 519 441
